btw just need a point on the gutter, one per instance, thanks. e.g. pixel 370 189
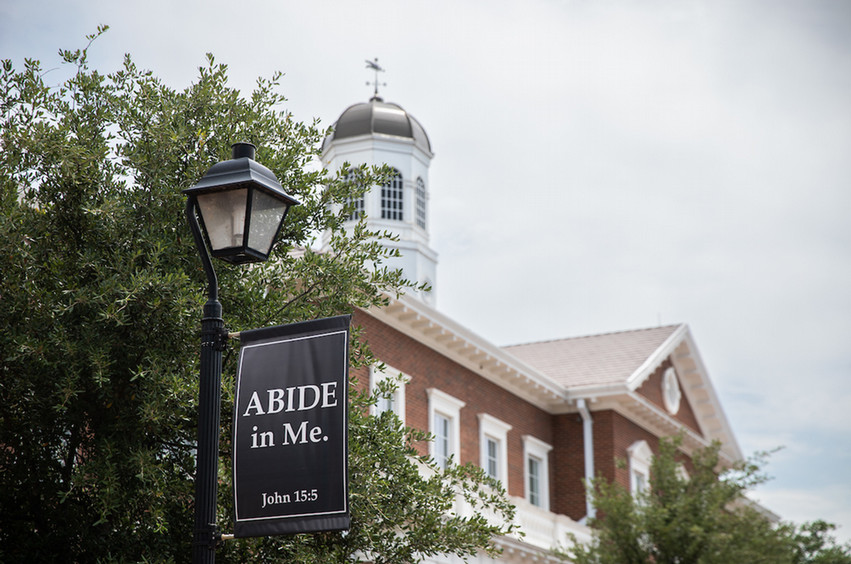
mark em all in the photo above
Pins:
pixel 588 447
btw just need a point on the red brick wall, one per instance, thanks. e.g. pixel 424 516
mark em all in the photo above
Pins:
pixel 569 461
pixel 428 369
pixel 624 434
pixel 612 435
pixel 652 390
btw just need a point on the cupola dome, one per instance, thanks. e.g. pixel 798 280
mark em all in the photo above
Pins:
pixel 381 118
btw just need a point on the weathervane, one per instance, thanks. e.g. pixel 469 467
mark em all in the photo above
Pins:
pixel 377 68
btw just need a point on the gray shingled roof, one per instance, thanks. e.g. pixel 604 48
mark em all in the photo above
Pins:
pixel 595 360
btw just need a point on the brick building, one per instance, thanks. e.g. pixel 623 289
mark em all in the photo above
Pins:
pixel 540 417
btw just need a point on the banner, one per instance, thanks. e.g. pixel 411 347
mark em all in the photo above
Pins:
pixel 290 442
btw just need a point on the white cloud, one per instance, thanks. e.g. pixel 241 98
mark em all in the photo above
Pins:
pixel 831 504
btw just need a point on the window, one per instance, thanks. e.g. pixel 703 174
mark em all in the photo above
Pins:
pixel 421 203
pixel 492 451
pixel 386 403
pixel 536 463
pixel 391 198
pixel 640 457
pixel 444 417
pixel 639 480
pixel 443 447
pixel 395 401
pixel 671 393
pixel 358 202
pixel 493 438
pixel 534 473
pixel 357 212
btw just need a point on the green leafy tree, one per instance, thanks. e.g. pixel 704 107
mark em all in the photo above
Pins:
pixel 100 298
pixel 701 517
pixel 814 544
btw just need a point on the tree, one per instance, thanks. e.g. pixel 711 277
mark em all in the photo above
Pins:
pixel 100 300
pixel 699 517
pixel 813 544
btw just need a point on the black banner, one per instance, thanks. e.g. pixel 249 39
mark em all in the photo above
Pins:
pixel 290 457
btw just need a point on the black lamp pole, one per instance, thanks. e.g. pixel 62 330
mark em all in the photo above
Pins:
pixel 213 336
pixel 242 206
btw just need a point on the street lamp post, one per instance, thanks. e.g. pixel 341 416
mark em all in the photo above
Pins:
pixel 242 207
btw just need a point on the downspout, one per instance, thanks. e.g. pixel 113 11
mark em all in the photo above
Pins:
pixel 588 444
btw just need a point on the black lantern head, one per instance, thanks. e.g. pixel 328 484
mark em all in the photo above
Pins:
pixel 242 207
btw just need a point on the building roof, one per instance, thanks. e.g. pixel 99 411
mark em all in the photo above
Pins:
pixel 594 360
pixel 378 117
pixel 605 369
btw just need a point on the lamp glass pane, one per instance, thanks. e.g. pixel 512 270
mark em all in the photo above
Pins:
pixel 266 215
pixel 224 217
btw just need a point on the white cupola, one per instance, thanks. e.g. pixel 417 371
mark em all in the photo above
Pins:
pixel 377 133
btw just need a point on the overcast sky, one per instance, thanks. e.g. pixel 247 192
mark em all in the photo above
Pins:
pixel 599 166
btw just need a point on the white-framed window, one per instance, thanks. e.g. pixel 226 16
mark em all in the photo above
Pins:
pixel 421 203
pixel 391 198
pixel 394 402
pixel 358 210
pixel 640 457
pixel 359 207
pixel 444 415
pixel 492 456
pixel 443 443
pixel 536 469
pixel 493 447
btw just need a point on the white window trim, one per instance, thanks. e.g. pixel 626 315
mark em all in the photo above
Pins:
pixel 536 448
pixel 490 426
pixel 376 376
pixel 640 457
pixel 450 407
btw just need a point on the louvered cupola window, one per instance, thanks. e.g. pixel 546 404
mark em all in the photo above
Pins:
pixel 421 203
pixel 391 198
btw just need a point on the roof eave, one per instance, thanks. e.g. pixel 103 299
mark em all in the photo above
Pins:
pixel 435 330
pixel 652 362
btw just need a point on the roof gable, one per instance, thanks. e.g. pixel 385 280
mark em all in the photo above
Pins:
pixel 610 359
pixel 616 365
